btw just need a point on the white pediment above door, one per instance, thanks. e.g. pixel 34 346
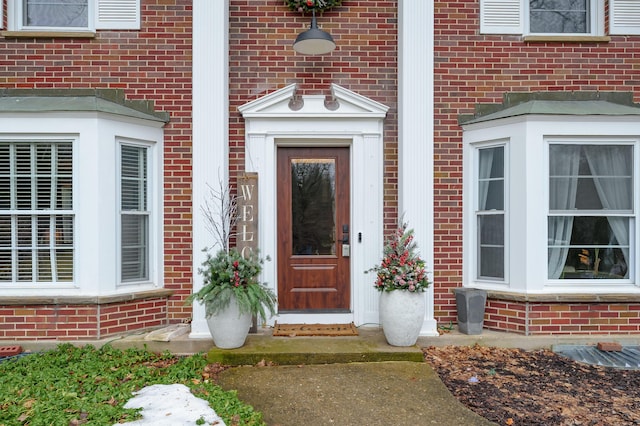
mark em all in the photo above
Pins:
pixel 339 103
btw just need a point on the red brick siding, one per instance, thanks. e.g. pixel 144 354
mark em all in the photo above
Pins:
pixel 471 68
pixel 563 318
pixel 126 317
pixel 80 322
pixel 151 64
pixel 262 60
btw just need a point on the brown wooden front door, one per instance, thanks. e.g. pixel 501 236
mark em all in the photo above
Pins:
pixel 313 230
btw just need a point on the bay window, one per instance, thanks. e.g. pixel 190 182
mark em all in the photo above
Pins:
pixel 80 200
pixel 550 195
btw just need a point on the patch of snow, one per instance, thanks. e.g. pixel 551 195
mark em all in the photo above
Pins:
pixel 171 405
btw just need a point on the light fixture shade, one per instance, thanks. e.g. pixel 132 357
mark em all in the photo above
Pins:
pixel 314 41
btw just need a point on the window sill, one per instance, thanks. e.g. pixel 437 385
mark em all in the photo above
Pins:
pixel 630 297
pixel 84 300
pixel 48 34
pixel 567 39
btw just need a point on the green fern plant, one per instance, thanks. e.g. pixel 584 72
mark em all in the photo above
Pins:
pixel 229 274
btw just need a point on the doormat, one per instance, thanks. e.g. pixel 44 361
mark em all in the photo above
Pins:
pixel 297 330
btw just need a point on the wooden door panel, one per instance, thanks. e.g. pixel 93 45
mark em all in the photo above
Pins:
pixel 313 206
pixel 316 276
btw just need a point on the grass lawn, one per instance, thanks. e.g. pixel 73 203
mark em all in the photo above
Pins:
pixel 89 386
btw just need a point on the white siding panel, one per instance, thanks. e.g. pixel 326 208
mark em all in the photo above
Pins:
pixel 625 17
pixel 118 14
pixel 501 17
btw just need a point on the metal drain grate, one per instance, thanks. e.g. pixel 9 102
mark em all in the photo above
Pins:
pixel 628 358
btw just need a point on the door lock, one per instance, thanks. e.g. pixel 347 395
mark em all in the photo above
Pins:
pixel 345 241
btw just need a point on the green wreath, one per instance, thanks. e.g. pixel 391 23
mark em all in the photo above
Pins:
pixel 308 5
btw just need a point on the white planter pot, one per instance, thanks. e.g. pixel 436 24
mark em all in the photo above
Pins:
pixel 228 327
pixel 401 315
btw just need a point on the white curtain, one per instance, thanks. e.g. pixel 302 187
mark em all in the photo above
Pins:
pixel 485 163
pixel 564 162
pixel 611 168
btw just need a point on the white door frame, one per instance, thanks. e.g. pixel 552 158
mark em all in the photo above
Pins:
pixel 348 120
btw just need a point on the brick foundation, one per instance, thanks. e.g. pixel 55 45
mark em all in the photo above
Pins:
pixel 73 320
pixel 531 317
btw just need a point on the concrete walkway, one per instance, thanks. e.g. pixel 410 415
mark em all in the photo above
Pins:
pixel 339 380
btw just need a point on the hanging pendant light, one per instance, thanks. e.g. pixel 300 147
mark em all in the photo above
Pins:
pixel 314 41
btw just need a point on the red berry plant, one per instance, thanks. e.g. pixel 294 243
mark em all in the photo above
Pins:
pixel 401 267
pixel 230 274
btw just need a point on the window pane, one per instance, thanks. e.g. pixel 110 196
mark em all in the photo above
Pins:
pixel 491 178
pixel 491 262
pixel 34 176
pixel 56 13
pixel 313 206
pixel 134 178
pixel 44 266
pixel 5 248
pixel 596 247
pixel 559 16
pixel 134 247
pixel 491 246
pixel 134 224
pixel 5 176
pixel 591 177
pixel 25 265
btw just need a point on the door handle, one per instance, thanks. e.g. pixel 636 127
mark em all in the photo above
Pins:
pixel 346 252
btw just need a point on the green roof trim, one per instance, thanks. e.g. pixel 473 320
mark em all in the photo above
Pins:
pixel 111 101
pixel 555 103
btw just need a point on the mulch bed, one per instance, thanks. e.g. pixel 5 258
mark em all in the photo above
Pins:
pixel 517 387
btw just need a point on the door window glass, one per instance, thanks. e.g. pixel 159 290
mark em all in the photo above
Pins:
pixel 313 206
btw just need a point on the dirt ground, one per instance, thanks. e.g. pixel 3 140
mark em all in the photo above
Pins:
pixel 516 387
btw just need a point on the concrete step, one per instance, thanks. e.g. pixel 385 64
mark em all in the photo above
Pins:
pixel 369 346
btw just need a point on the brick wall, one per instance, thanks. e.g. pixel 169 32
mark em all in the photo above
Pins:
pixel 471 68
pixel 80 322
pixel 154 64
pixel 563 318
pixel 262 60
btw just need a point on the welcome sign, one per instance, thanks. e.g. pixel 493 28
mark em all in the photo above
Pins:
pixel 247 224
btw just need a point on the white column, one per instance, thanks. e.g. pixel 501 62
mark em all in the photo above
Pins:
pixel 415 126
pixel 210 126
pixel 367 212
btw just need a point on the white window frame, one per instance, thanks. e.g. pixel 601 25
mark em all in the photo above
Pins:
pixel 150 212
pixel 103 14
pixel 477 213
pixel 632 215
pixel 512 17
